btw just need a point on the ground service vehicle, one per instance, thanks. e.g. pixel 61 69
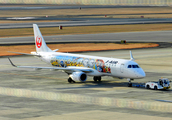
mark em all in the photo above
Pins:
pixel 163 83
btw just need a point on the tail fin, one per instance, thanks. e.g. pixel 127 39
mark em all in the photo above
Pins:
pixel 39 40
pixel 131 56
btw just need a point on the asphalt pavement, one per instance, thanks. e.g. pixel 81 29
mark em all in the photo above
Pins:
pixel 82 22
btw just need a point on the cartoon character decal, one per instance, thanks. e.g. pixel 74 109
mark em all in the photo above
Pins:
pixel 85 62
pixel 97 64
pixel 91 63
pixel 80 62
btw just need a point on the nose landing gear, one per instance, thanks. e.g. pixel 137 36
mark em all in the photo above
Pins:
pixel 129 82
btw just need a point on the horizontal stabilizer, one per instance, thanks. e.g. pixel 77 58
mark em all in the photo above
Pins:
pixel 55 50
pixel 25 54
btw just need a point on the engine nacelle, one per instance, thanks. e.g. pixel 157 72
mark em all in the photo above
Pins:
pixel 78 76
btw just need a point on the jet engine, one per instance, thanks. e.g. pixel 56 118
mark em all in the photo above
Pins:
pixel 78 76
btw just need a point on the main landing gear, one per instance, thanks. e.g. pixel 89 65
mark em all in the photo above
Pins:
pixel 129 82
pixel 70 80
pixel 97 78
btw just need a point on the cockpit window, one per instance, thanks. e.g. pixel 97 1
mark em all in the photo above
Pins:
pixel 137 66
pixel 129 66
pixel 133 66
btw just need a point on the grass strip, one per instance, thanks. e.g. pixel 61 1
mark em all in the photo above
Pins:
pixel 84 11
pixel 77 47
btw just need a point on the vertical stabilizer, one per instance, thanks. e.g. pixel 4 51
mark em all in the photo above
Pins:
pixel 39 40
pixel 131 56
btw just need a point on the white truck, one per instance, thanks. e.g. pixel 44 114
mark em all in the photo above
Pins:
pixel 163 83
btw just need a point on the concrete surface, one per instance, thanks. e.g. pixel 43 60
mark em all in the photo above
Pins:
pixel 33 95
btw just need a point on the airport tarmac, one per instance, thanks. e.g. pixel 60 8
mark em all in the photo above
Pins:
pixel 81 21
pixel 29 94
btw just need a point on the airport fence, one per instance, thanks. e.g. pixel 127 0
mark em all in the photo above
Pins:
pixel 155 106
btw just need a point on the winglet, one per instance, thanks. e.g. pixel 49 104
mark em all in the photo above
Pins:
pixel 12 63
pixel 131 56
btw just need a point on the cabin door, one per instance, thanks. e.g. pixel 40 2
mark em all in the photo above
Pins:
pixel 122 68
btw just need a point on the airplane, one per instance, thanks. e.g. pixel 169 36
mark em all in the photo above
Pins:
pixel 78 66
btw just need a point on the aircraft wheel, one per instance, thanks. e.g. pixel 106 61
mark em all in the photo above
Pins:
pixel 95 79
pixel 147 87
pixel 155 88
pixel 99 78
pixel 129 84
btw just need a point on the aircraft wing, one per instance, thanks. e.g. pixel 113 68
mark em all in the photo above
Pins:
pixel 67 69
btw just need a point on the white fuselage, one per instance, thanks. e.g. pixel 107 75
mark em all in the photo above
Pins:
pixel 102 66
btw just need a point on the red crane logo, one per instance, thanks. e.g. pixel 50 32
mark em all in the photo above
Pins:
pixel 38 41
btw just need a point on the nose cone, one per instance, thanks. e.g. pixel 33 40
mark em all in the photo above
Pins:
pixel 141 74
